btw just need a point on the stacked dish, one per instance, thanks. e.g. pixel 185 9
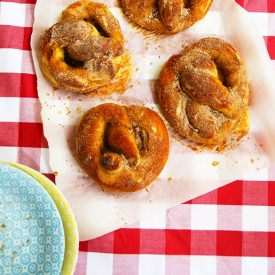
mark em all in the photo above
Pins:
pixel 38 232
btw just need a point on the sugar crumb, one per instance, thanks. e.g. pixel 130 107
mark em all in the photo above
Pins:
pixel 215 163
pixel 78 110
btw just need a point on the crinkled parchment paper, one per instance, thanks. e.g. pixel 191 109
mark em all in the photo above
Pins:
pixel 187 174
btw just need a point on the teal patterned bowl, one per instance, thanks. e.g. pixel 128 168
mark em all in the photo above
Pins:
pixel 31 232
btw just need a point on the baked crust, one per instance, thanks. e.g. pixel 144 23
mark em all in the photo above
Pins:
pixel 204 94
pixel 123 148
pixel 165 16
pixel 84 52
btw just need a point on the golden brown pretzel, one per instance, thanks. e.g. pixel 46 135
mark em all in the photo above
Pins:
pixel 165 16
pixel 204 93
pixel 84 52
pixel 122 148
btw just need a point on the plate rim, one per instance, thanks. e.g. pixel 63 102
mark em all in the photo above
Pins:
pixel 45 193
pixel 43 180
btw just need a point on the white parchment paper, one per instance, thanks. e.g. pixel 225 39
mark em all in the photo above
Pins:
pixel 187 174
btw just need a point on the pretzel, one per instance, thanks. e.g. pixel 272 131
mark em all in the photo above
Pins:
pixel 165 16
pixel 122 148
pixel 84 51
pixel 204 94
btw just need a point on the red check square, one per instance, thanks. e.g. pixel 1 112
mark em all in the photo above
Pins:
pixel 178 242
pixel 229 243
pixel 127 241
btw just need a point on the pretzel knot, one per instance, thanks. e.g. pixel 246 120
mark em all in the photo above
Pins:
pixel 123 148
pixel 165 16
pixel 84 52
pixel 204 94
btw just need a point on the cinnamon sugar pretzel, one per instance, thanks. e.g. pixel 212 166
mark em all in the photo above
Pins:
pixel 122 148
pixel 204 94
pixel 165 16
pixel 84 52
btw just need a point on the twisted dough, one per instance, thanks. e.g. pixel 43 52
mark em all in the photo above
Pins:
pixel 165 16
pixel 204 94
pixel 122 148
pixel 84 52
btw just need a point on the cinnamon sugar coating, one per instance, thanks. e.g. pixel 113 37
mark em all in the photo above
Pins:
pixel 122 148
pixel 84 52
pixel 204 94
pixel 165 16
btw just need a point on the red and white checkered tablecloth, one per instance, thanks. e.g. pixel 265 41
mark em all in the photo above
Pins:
pixel 228 231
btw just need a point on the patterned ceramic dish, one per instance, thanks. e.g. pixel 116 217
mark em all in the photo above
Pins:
pixel 31 232
pixel 68 220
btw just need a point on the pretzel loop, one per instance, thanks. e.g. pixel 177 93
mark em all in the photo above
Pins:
pixel 204 93
pixel 120 146
pixel 84 51
pixel 165 16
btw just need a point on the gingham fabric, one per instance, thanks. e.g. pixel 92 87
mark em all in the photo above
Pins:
pixel 228 231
